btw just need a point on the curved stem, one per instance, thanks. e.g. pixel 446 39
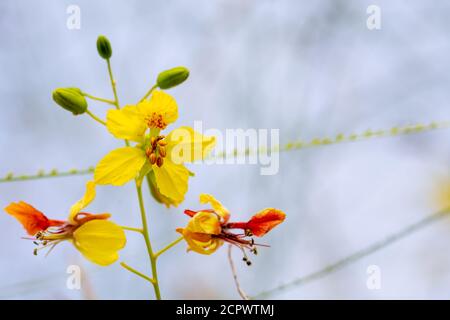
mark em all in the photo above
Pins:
pixel 99 99
pixel 149 92
pixel 170 245
pixel 93 116
pixel 146 235
pixel 140 274
pixel 235 277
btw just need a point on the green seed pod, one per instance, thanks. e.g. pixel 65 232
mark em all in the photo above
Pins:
pixel 172 77
pixel 70 99
pixel 104 47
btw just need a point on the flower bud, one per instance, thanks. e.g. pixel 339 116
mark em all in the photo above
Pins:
pixel 172 77
pixel 70 99
pixel 104 47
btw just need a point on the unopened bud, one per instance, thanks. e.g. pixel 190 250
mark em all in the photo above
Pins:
pixel 172 77
pixel 104 47
pixel 70 99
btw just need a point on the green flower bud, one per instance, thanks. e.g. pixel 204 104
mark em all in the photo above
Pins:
pixel 104 47
pixel 71 99
pixel 172 77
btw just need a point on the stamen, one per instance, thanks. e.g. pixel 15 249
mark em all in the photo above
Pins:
pixel 156 120
pixel 159 161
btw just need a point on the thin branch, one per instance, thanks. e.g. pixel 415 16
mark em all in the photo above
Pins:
pixel 357 255
pixel 235 277
pixel 10 177
pixel 170 245
pixel 290 146
pixel 140 274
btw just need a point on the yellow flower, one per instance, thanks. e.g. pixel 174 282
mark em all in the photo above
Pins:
pixel 208 229
pixel 161 157
pixel 97 238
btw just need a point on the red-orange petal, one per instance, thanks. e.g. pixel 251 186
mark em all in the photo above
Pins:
pixel 31 219
pixel 264 221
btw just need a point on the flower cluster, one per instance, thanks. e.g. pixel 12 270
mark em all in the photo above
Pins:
pixel 150 153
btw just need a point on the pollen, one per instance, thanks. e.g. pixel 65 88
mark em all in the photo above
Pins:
pixel 156 120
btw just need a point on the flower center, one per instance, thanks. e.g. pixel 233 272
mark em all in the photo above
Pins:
pixel 156 120
pixel 156 151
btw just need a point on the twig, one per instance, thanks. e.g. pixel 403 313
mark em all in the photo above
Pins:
pixel 235 277
pixel 357 255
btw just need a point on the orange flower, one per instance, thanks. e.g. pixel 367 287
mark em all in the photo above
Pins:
pixel 97 238
pixel 208 229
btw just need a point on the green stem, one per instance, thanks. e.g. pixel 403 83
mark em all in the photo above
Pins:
pixel 93 116
pixel 139 230
pixel 140 274
pixel 149 92
pixel 113 85
pixel 170 245
pixel 146 235
pixel 99 99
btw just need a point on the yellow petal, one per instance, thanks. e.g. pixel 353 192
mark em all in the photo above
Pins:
pixel 204 222
pixel 172 180
pixel 119 166
pixel 186 145
pixel 216 205
pixel 200 243
pixel 89 195
pixel 99 241
pixel 160 111
pixel 126 123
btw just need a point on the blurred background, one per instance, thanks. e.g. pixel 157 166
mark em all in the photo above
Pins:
pixel 310 69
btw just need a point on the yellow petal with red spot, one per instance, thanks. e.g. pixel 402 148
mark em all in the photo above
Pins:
pixel 172 180
pixel 119 166
pixel 126 123
pixel 216 205
pixel 160 111
pixel 99 241
pixel 88 197
pixel 186 145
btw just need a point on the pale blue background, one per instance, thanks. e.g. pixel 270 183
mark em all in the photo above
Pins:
pixel 308 68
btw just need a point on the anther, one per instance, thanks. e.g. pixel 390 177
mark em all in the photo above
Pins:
pixel 249 263
pixel 152 158
pixel 159 161
pixel 35 251
pixel 162 143
pixel 162 151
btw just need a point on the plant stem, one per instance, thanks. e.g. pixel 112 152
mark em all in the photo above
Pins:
pixel 93 116
pixel 138 230
pixel 146 235
pixel 140 274
pixel 113 85
pixel 149 92
pixel 235 277
pixel 99 99
pixel 170 245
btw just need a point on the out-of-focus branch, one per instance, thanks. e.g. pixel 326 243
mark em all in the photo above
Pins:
pixel 54 173
pixel 235 277
pixel 290 146
pixel 357 255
